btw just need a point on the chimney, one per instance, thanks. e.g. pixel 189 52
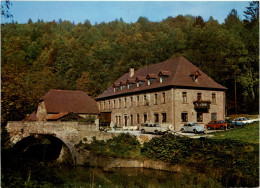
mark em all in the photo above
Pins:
pixel 131 72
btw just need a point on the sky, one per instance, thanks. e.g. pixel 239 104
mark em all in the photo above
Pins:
pixel 129 11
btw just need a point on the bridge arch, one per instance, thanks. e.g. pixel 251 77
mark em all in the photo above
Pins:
pixel 44 147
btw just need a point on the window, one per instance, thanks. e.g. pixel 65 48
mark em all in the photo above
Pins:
pixel 156 117
pixel 184 97
pixel 131 120
pixel 138 118
pixel 163 97
pixel 140 83
pixel 162 79
pixel 150 81
pixel 119 103
pixel 125 103
pixel 199 117
pixel 214 98
pixel 213 116
pixel 125 122
pixel 145 117
pixel 155 98
pixel 118 120
pixel 130 85
pixel 131 101
pixel 145 100
pixel 184 117
pixel 114 104
pixel 137 100
pixel 123 87
pixel 199 97
pixel 196 78
pixel 164 117
pixel 116 88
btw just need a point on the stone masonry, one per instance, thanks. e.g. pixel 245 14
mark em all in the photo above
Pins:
pixel 168 101
pixel 70 133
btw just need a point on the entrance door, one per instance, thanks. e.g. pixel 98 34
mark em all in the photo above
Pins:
pixel 125 120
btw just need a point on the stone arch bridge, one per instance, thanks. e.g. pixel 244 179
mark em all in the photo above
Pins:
pixel 69 133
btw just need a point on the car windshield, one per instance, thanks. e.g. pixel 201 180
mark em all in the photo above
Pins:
pixel 221 121
pixel 194 124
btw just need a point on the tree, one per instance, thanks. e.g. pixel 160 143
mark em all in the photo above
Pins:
pixel 252 12
pixel 233 23
pixel 5 6
pixel 199 21
pixel 83 82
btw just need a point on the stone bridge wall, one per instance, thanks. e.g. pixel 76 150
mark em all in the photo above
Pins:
pixel 70 133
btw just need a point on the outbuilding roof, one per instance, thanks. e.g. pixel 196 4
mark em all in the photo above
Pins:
pixel 61 101
pixel 178 72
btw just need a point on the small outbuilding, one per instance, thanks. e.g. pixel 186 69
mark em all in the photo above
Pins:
pixel 65 105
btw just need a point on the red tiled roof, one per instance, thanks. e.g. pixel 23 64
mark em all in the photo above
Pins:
pixel 116 84
pixel 165 73
pixel 130 81
pixel 178 70
pixel 62 115
pixel 123 82
pixel 152 76
pixel 61 101
pixel 57 116
pixel 140 78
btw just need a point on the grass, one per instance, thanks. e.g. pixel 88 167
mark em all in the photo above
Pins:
pixel 248 133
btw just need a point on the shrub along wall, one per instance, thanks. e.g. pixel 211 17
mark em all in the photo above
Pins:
pixel 234 163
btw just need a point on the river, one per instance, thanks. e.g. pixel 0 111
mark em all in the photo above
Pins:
pixel 40 175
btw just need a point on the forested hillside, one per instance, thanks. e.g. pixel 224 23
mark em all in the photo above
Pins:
pixel 37 57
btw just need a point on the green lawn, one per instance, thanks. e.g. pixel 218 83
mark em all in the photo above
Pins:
pixel 249 133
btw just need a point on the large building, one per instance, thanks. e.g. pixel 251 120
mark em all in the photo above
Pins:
pixel 172 92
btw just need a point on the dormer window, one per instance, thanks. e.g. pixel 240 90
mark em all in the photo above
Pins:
pixel 116 87
pixel 123 87
pixel 196 76
pixel 150 81
pixel 140 81
pixel 164 75
pixel 151 78
pixel 130 83
pixel 162 79
pixel 129 86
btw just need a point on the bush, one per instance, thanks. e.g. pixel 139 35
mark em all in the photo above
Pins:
pixel 123 146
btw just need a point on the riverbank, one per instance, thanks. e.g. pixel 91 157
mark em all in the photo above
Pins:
pixel 108 163
pixel 235 162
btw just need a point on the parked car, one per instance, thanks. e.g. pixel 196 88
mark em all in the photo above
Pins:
pixel 217 125
pixel 241 121
pixel 153 128
pixel 229 123
pixel 192 127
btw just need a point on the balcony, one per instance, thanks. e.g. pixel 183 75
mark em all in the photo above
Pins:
pixel 202 105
